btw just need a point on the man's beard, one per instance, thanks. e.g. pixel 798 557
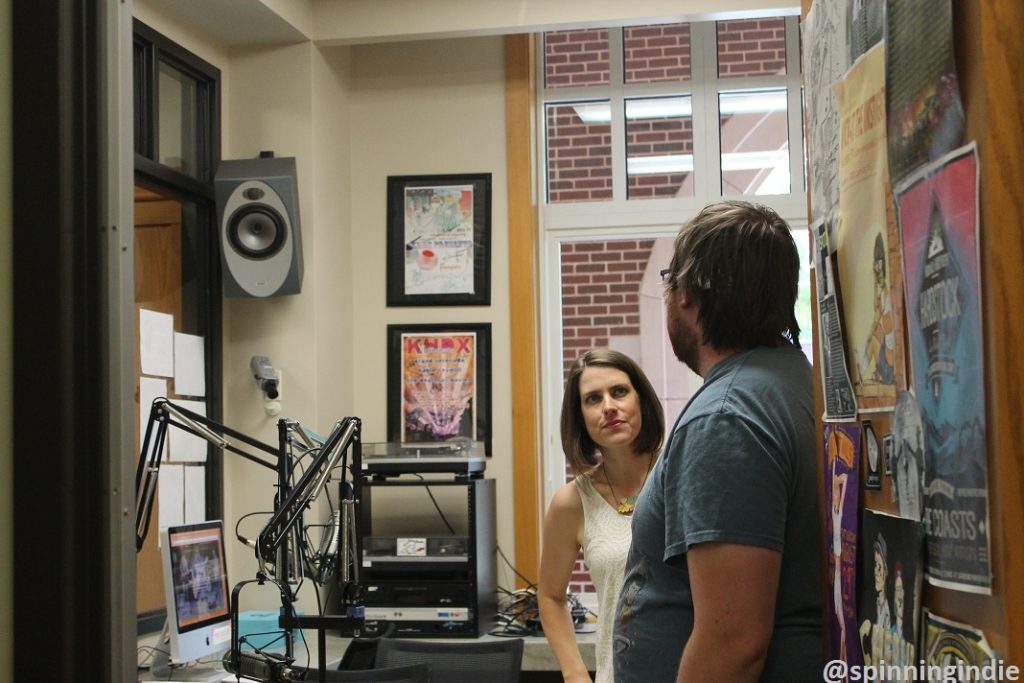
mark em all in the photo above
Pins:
pixel 684 341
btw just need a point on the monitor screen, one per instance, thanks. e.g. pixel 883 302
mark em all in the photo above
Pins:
pixel 196 589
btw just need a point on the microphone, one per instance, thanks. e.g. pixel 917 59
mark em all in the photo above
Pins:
pixel 261 667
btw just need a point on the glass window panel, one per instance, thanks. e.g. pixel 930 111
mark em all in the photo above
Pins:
pixel 579 152
pixel 803 295
pixel 142 115
pixel 752 47
pixel 178 138
pixel 576 58
pixel 754 133
pixel 659 147
pixel 657 53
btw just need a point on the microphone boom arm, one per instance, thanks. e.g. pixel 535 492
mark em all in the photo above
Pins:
pixel 160 416
pixel 345 432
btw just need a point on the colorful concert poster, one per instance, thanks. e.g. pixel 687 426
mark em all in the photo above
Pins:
pixel 925 115
pixel 867 246
pixel 890 589
pixel 949 643
pixel 438 386
pixel 842 475
pixel 840 404
pixel 938 210
pixel 439 239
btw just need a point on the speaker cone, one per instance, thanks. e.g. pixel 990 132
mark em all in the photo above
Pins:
pixel 257 231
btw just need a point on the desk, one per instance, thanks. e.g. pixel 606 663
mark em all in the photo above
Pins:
pixel 537 655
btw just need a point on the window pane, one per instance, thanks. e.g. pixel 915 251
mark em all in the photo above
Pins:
pixel 657 53
pixel 178 134
pixel 574 58
pixel 579 152
pixel 752 47
pixel 659 147
pixel 803 295
pixel 754 131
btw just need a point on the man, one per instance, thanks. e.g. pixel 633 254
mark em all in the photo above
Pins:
pixel 723 577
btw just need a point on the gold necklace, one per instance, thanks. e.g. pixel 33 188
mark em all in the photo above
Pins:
pixel 627 504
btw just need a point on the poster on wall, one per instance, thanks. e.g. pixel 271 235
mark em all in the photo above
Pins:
pixel 908 457
pixel 938 212
pixel 438 240
pixel 889 602
pixel 825 61
pixel 439 383
pixel 873 453
pixel 867 244
pixel 842 478
pixel 840 404
pixel 865 25
pixel 925 114
pixel 948 643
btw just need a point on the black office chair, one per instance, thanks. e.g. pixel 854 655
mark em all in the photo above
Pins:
pixel 411 673
pixel 490 661
pixel 360 654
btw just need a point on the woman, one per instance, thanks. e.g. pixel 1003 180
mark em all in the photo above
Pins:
pixel 609 407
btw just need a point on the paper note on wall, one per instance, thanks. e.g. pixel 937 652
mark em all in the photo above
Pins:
pixel 195 494
pixel 189 365
pixel 186 447
pixel 172 495
pixel 156 343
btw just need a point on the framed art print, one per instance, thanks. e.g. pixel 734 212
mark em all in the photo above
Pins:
pixel 439 383
pixel 438 240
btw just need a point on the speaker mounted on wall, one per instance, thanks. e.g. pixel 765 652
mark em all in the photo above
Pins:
pixel 258 218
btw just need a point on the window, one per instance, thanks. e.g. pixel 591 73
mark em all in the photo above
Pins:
pixel 176 256
pixel 641 127
pixel 177 109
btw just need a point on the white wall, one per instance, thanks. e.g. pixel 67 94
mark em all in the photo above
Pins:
pixel 271 104
pixel 6 351
pixel 425 108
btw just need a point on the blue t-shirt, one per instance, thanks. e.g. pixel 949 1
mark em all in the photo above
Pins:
pixel 739 467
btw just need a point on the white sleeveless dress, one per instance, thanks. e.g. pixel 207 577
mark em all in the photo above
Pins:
pixel 606 539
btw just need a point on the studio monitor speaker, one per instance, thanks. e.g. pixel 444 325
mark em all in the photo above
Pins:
pixel 258 218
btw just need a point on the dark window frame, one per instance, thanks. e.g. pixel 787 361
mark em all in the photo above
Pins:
pixel 150 49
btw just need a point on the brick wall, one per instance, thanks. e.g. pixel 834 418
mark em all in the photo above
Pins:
pixel 657 53
pixel 575 58
pixel 751 47
pixel 600 293
pixel 657 137
pixel 579 157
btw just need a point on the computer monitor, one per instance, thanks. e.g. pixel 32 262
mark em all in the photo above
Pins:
pixel 196 590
